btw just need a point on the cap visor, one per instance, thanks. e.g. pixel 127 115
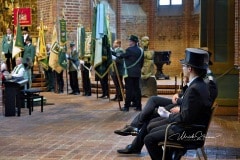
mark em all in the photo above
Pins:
pixel 182 61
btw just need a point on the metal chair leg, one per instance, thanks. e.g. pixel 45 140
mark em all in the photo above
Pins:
pixel 203 153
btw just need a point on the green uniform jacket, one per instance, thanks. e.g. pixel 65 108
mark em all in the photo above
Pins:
pixel 73 59
pixel 7 44
pixel 29 51
pixel 119 61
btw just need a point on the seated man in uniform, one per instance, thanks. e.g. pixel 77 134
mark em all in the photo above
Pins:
pixel 18 72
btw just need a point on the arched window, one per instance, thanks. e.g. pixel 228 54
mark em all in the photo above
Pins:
pixel 170 2
pixel 170 7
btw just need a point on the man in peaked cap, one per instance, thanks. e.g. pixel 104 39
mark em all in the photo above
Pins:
pixel 133 59
pixel 195 107
pixel 133 38
pixel 73 69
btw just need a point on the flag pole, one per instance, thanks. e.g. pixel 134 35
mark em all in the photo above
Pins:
pixel 65 46
pixel 120 84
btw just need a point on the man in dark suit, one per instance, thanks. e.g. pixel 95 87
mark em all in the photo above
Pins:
pixel 139 125
pixel 146 120
pixel 196 102
pixel 133 58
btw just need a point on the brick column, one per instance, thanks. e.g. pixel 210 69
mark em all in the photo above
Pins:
pixel 150 23
pixel 188 8
pixel 118 19
pixel 237 46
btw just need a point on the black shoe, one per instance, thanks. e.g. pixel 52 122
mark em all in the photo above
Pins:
pixel 133 105
pixel 125 109
pixel 138 109
pixel 114 99
pixel 178 153
pixel 120 99
pixel 127 130
pixel 87 94
pixel 103 96
pixel 71 93
pixel 50 90
pixel 76 93
pixel 129 150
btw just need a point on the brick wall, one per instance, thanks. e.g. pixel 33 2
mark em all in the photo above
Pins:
pixel 76 11
pixel 174 33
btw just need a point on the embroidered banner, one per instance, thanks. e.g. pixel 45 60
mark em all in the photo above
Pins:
pixel 63 32
pixel 24 16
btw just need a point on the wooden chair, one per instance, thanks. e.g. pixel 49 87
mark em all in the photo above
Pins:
pixel 193 129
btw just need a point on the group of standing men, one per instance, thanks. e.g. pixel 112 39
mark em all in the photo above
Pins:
pixel 127 65
pixel 27 55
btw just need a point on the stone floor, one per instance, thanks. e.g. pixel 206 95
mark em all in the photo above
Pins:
pixel 76 127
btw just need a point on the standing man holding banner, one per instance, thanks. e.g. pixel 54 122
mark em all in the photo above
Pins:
pixel 62 53
pixel 134 58
pixel 73 69
pixel 84 43
pixel 117 70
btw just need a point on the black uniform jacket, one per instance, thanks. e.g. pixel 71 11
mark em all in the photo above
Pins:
pixel 131 56
pixel 196 104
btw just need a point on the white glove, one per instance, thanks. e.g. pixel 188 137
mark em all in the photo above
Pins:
pixel 81 62
pixel 163 112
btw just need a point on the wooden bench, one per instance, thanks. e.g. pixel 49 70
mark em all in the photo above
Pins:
pixel 29 95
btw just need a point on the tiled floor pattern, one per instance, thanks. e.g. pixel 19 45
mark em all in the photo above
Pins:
pixel 77 127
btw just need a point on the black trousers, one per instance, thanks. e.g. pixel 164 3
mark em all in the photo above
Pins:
pixel 117 84
pixel 148 118
pixel 60 82
pixel 86 80
pixel 138 141
pixel 104 85
pixel 50 79
pixel 151 140
pixel 149 110
pixel 133 92
pixel 10 62
pixel 73 77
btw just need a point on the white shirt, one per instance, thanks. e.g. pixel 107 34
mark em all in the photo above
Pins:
pixel 24 37
pixel 18 71
pixel 3 67
pixel 188 84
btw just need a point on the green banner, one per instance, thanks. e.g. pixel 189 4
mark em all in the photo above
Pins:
pixel 63 31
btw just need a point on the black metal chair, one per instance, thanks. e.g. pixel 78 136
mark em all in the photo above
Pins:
pixel 192 137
